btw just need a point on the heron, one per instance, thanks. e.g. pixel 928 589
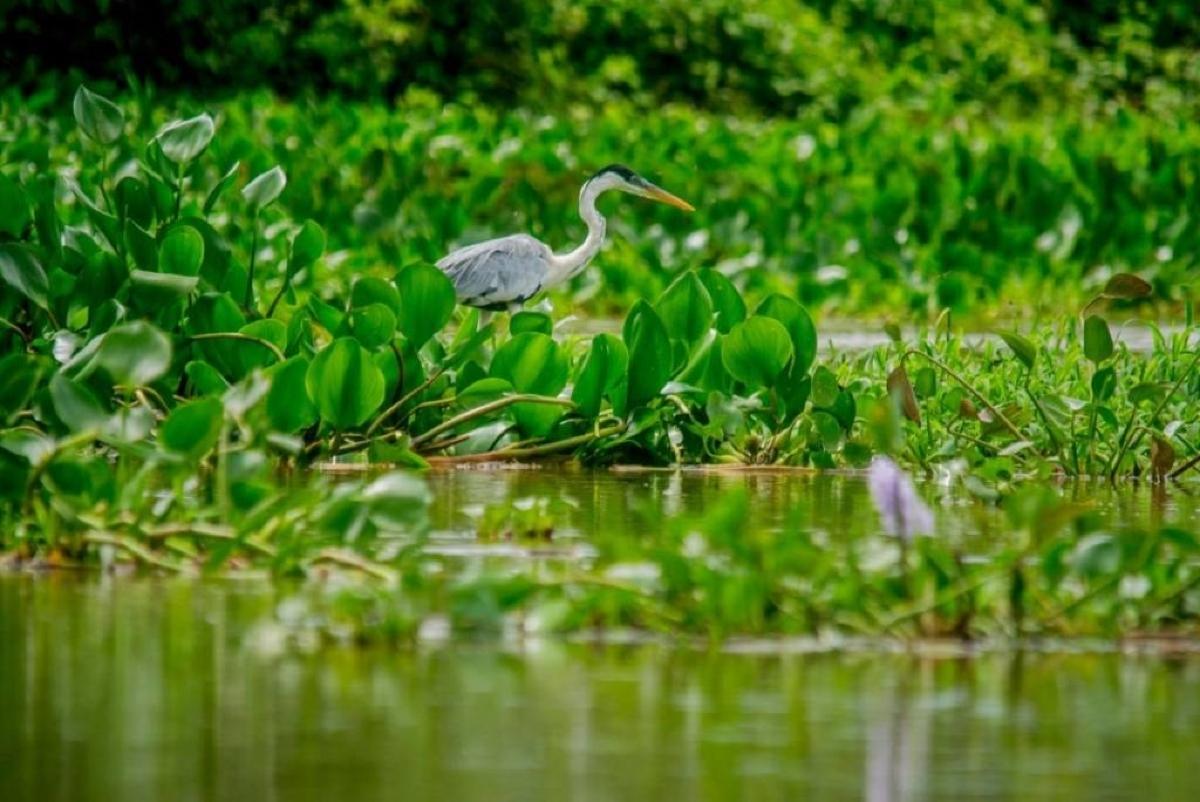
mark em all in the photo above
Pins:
pixel 502 274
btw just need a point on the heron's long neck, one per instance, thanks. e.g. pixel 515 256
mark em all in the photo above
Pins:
pixel 568 265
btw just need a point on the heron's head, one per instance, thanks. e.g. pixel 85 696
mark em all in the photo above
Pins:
pixel 620 177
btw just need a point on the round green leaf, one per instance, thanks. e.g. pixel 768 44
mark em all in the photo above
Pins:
pixel 824 387
pixel 373 325
pixel 181 251
pixel 757 350
pixel 76 405
pixel 134 354
pixel 344 384
pixel 192 429
pixel 426 302
pixel 183 140
pixel 252 354
pixel 265 188
pixel 532 363
pixel 371 290
pixel 288 405
pixel 98 118
pixel 1097 339
pixel 799 325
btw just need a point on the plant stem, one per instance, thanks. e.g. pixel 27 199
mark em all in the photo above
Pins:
pixel 404 399
pixel 486 409
pixel 535 451
pixel 237 335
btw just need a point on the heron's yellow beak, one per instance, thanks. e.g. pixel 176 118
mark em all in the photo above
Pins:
pixel 662 196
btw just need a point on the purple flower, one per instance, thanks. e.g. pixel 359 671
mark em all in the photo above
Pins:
pixel 900 508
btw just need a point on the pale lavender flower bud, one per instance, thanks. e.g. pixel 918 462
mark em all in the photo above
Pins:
pixel 900 508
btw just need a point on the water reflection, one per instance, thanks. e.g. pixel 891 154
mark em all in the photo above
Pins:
pixel 148 689
pixel 594 503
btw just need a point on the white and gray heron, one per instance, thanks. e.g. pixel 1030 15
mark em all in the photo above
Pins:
pixel 504 273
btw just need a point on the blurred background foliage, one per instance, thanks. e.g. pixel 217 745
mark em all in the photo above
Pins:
pixel 863 153
pixel 771 56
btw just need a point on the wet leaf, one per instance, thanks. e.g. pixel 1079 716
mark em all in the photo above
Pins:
pixel 1024 350
pixel 426 302
pixel 265 188
pixel 193 429
pixel 98 118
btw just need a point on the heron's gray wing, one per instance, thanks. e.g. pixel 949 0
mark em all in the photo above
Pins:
pixel 498 272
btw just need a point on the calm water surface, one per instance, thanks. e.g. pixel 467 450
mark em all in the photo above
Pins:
pixel 126 688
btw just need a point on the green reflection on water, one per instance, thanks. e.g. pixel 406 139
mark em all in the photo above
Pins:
pixel 149 689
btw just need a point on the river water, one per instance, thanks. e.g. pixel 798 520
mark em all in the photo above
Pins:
pixel 143 688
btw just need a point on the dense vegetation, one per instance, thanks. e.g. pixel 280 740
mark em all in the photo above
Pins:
pixel 203 297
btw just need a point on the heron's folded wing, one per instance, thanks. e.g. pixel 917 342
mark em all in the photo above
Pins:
pixel 507 270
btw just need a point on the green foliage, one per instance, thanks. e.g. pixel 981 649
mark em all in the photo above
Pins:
pixel 344 384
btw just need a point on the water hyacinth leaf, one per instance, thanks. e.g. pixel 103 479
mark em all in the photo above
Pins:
pixel 824 387
pixel 307 247
pixel 223 183
pixel 265 188
pixel 181 251
pixel 373 325
pixel 705 368
pixel 371 290
pixel 925 382
pixel 901 390
pixel 344 384
pixel 685 308
pixel 1126 287
pixel 530 321
pixel 649 349
pixel 533 363
pixel 603 375
pixel 756 351
pixel 727 303
pixel 389 363
pixel 426 302
pixel 483 390
pixel 98 118
pixel 21 270
pixel 182 141
pixel 193 429
pixel 1024 350
pixel 14 207
pixel 256 352
pixel 214 313
pixel 1097 340
pixel 76 405
pixel 289 407
pixel 799 326
pixel 204 378
pixel 141 247
pixel 134 354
